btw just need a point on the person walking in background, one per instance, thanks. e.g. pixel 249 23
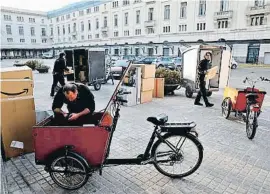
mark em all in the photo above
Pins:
pixel 58 72
pixel 203 66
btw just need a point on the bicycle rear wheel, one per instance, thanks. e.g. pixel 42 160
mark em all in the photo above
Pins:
pixel 182 158
pixel 251 123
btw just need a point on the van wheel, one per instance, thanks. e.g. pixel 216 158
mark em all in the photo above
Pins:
pixel 97 86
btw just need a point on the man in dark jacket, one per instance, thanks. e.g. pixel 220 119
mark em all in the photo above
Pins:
pixel 80 104
pixel 58 72
pixel 202 70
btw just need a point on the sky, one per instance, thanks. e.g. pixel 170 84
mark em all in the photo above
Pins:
pixel 37 5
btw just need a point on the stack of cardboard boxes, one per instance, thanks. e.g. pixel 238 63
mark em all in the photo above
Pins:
pixel 17 110
pixel 148 82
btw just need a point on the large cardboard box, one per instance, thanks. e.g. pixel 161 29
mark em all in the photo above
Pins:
pixel 17 119
pixel 158 91
pixel 13 88
pixel 146 96
pixel 16 73
pixel 148 71
pixel 148 84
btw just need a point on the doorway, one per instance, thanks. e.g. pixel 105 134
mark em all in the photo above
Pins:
pixel 253 53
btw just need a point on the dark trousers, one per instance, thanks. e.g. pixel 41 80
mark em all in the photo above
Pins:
pixel 60 120
pixel 202 93
pixel 57 78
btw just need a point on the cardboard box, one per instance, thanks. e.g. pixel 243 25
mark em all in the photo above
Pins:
pixel 146 96
pixel 148 71
pixel 148 84
pixel 16 73
pixel 158 91
pixel 13 88
pixel 17 119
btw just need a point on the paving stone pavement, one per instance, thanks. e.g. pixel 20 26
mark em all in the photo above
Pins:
pixel 232 163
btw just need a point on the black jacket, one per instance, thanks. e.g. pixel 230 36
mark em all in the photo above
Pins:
pixel 202 68
pixel 59 66
pixel 85 99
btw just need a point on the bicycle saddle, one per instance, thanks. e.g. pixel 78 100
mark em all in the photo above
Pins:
pixel 159 120
pixel 252 95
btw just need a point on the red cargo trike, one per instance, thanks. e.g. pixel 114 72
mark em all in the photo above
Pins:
pixel 72 154
pixel 245 103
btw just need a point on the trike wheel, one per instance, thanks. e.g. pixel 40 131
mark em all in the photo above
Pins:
pixel 184 159
pixel 209 93
pixel 69 172
pixel 251 123
pixel 97 86
pixel 226 107
pixel 189 92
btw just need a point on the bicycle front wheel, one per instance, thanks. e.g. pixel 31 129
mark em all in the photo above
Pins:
pixel 251 123
pixel 178 155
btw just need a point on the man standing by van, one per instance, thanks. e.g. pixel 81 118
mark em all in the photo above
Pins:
pixel 202 70
pixel 58 72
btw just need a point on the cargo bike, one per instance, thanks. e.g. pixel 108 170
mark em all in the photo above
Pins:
pixel 244 103
pixel 72 154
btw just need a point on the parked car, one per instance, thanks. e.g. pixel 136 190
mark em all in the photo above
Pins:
pixel 178 62
pixel 128 57
pixel 47 56
pixel 119 67
pixel 166 62
pixel 234 64
pixel 146 60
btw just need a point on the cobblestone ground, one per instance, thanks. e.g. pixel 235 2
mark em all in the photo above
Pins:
pixel 232 163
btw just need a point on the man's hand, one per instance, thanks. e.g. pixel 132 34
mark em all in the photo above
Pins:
pixel 73 117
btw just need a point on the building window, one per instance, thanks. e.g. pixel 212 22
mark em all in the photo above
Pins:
pixel 69 28
pixel 115 34
pixel 116 51
pixel 222 24
pixel 115 20
pixel 89 36
pixel 166 12
pixel 43 32
pixel 42 21
pixel 22 40
pixel 7 17
pixel 32 31
pixel 51 31
pixel 105 22
pixel 151 14
pixel 138 32
pixel 137 1
pixel 8 29
pixel 105 6
pixel 88 11
pixel 58 30
pixel 33 40
pixel 183 10
pixel 224 5
pixel 126 18
pixel 20 19
pixel 74 14
pixel 10 39
pixel 67 16
pixel 257 20
pixel 202 7
pixel 97 24
pixel 97 36
pixel 150 31
pixel 32 20
pixel 89 25
pixel 82 26
pixel 166 29
pixel 62 18
pixel 21 31
pixel 200 26
pixel 74 27
pixel 115 4
pixel 64 30
pixel 138 17
pixel 125 2
pixel 96 9
pixel 182 28
pixel 126 33
pixel 82 37
pixel 81 13
pixel 44 40
pixel 259 3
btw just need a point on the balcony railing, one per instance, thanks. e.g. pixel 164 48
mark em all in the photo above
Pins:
pixel 254 10
pixel 150 23
pixel 223 14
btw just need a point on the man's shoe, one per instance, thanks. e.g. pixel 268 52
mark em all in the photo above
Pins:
pixel 52 95
pixel 198 103
pixel 209 105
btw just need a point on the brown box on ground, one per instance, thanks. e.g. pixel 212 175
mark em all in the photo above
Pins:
pixel 146 96
pixel 18 116
pixel 148 84
pixel 13 88
pixel 148 71
pixel 16 73
pixel 158 91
